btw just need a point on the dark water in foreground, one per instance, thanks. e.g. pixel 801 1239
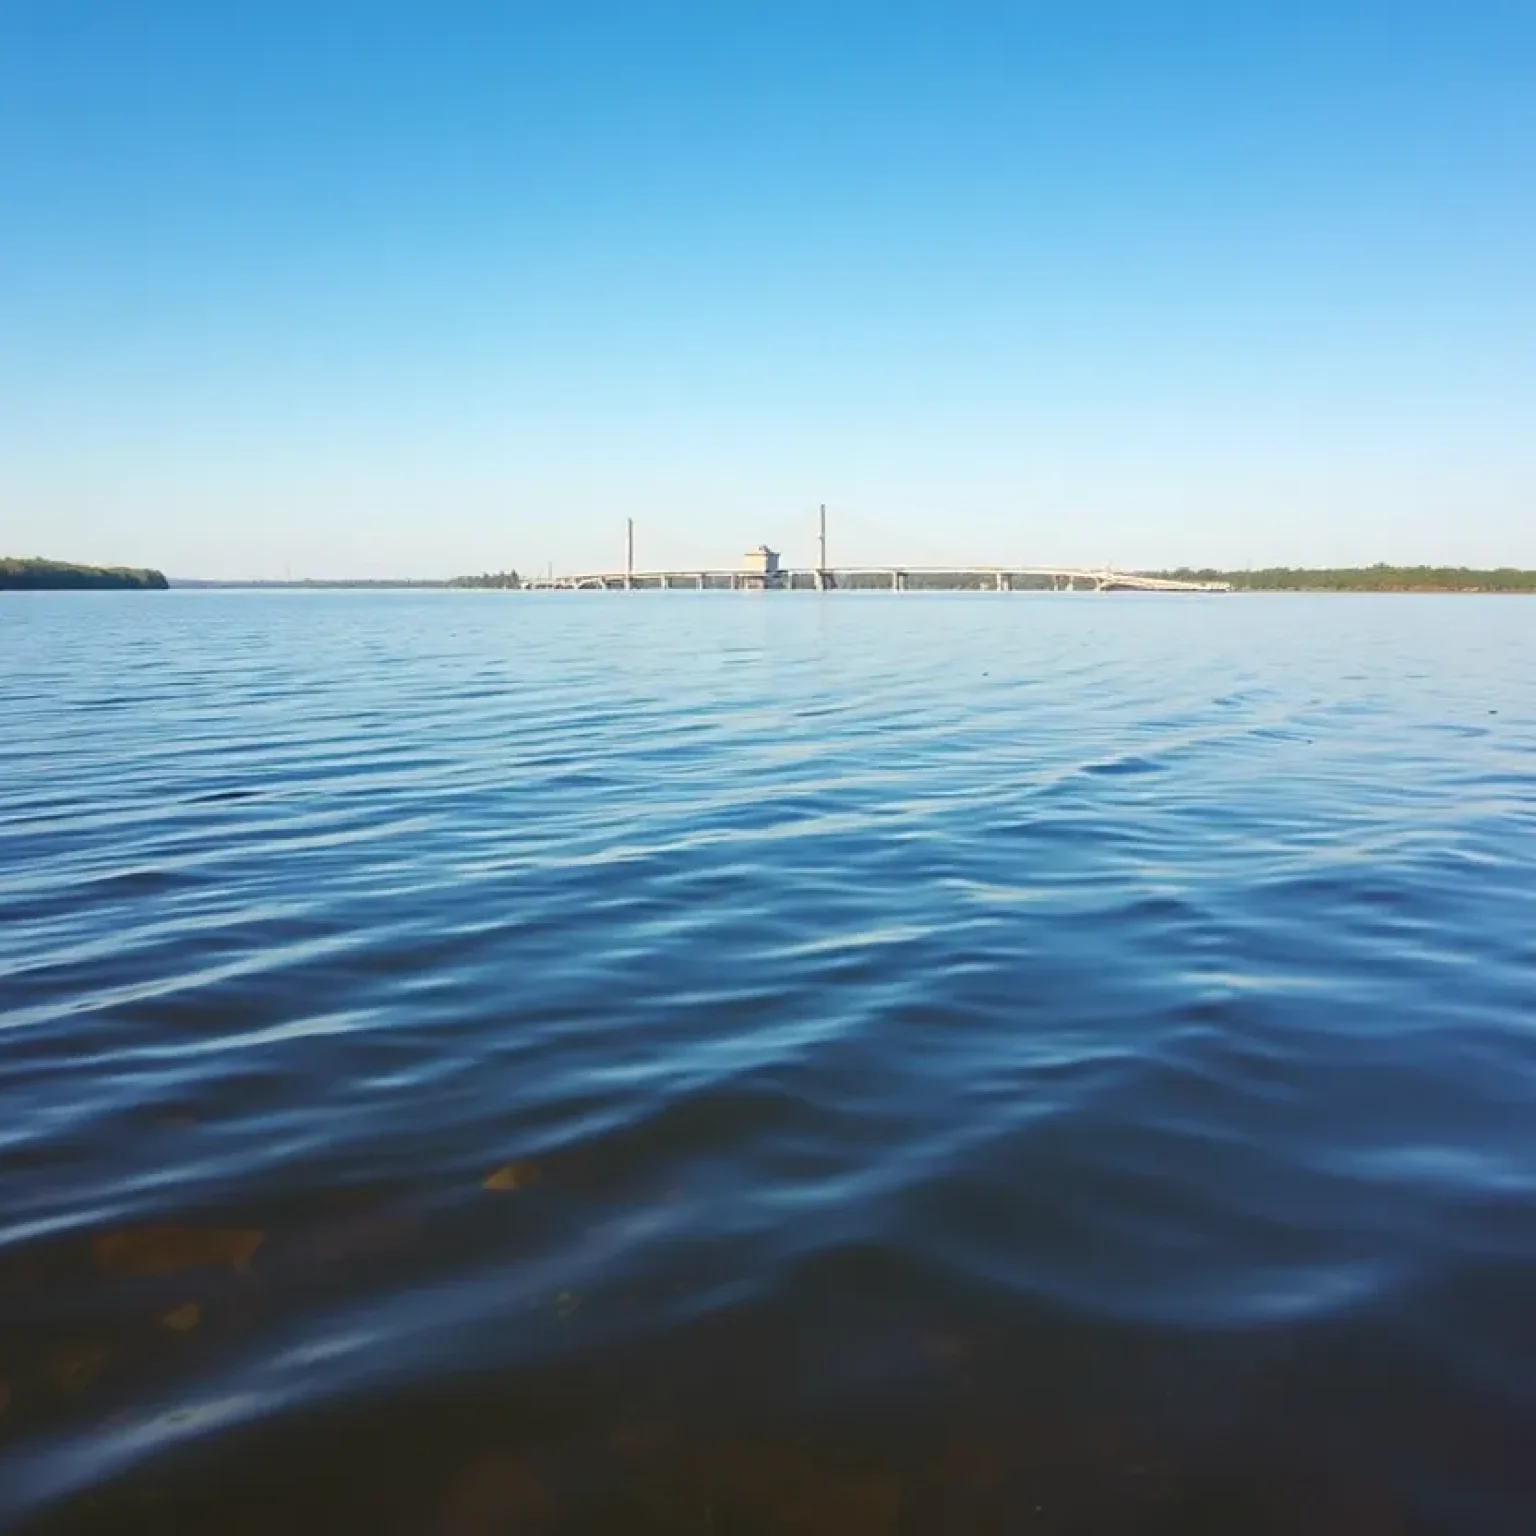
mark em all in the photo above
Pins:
pixel 950 1064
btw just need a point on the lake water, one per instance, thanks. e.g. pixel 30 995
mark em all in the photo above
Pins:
pixel 767 1063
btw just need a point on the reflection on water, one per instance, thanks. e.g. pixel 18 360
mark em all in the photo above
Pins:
pixel 767 1063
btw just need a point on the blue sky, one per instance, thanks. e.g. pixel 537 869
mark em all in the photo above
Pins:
pixel 381 289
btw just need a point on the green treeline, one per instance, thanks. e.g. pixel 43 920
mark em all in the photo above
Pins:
pixel 18 575
pixel 1370 578
pixel 501 580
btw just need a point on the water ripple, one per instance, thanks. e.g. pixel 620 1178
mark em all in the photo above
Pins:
pixel 905 1018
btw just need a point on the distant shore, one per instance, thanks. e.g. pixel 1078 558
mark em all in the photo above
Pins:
pixel 19 575
pixel 57 575
pixel 318 584
pixel 1365 578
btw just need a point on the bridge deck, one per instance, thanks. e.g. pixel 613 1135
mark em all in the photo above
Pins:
pixel 897 576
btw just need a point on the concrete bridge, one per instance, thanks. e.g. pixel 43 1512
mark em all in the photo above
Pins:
pixel 761 571
pixel 990 578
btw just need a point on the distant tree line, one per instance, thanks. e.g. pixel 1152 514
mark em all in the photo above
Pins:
pixel 1370 578
pixel 508 581
pixel 17 575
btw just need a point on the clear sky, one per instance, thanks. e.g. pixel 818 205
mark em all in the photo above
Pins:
pixel 385 289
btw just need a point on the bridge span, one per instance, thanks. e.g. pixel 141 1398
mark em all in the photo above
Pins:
pixel 761 571
pixel 986 578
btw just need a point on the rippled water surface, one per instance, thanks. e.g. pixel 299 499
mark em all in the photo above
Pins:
pixel 758 1063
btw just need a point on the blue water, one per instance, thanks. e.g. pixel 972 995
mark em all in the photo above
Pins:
pixel 966 1062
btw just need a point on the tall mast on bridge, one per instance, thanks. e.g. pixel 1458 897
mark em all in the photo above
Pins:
pixel 822 563
pixel 629 553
